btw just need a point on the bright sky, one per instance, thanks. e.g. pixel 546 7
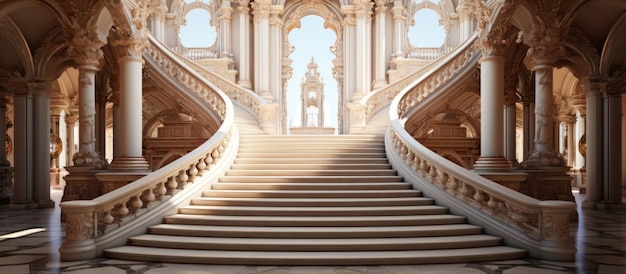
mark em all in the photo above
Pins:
pixel 312 40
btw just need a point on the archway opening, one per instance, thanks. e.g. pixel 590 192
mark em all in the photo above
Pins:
pixel 197 31
pixel 309 41
pixel 427 32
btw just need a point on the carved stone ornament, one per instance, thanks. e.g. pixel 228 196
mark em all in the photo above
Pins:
pixel 582 145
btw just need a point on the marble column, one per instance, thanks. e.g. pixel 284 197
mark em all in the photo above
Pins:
pixel 363 13
pixel 130 156
pixel 529 125
pixel 157 16
pixel 116 124
pixel 349 79
pixel 612 170
pixel 244 44
pixel 510 133
pixel 70 124
pixel 261 12
pixel 225 30
pixel 275 53
pixel 570 144
pixel 465 18
pixel 380 42
pixel 23 191
pixel 100 120
pixel 41 144
pixel 399 32
pixel 594 135
pixel 492 120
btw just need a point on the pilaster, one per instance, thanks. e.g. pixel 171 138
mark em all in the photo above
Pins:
pixel 399 32
pixel 363 14
pixel 380 42
pixel 244 44
pixel 41 144
pixel 261 12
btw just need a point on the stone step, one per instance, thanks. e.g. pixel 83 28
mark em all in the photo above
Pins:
pixel 309 186
pixel 313 211
pixel 312 161
pixel 263 201
pixel 318 244
pixel 287 166
pixel 319 149
pixel 315 232
pixel 313 194
pixel 319 172
pixel 314 221
pixel 309 179
pixel 313 154
pixel 171 255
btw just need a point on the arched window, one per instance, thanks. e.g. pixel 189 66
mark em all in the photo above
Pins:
pixel 427 32
pixel 197 32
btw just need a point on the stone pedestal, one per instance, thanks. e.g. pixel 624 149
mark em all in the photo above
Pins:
pixel 55 178
pixel 113 180
pixel 550 183
pixel 81 183
pixel 512 180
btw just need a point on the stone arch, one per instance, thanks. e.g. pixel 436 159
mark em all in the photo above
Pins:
pixel 293 13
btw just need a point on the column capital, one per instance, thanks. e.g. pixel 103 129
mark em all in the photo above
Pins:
pixel 363 8
pixel 594 86
pixel 349 16
pixel 40 88
pixel 261 9
pixel 380 7
pixel 546 46
pixel 71 119
pixel 398 13
pixel 159 9
pixel 129 44
pixel 244 6
pixel 616 84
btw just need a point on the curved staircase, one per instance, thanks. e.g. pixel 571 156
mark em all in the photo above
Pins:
pixel 313 200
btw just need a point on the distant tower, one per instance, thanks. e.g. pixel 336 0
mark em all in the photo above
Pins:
pixel 311 104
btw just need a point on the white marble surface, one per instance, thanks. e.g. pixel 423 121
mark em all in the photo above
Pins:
pixel 600 237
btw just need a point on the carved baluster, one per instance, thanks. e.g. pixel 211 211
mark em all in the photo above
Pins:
pixel 136 203
pixel 464 191
pixel 479 199
pixel 201 166
pixel 443 179
pixel 209 161
pixel 191 173
pixel 161 190
pixel 107 219
pixel 148 197
pixel 172 185
pixel 123 210
pixel 182 179
pixel 452 186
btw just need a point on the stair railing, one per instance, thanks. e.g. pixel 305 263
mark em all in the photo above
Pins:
pixel 442 69
pixel 108 220
pixel 541 227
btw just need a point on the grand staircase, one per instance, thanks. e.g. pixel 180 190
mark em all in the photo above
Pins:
pixel 313 200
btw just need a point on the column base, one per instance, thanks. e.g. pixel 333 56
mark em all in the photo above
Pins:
pixel 130 164
pixel 245 84
pixel 493 164
pixel 267 96
pixel 379 84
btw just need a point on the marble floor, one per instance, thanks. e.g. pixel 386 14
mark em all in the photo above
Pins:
pixel 600 239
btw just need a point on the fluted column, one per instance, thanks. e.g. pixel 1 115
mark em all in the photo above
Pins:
pixel 465 18
pixel 130 156
pixel 70 124
pixel 510 133
pixel 225 30
pixel 157 22
pixel 261 12
pixel 594 135
pixel 349 73
pixel 41 144
pixel 399 32
pixel 244 44
pixel 379 38
pixel 569 141
pixel 612 102
pixel 23 192
pixel 363 13
pixel 275 54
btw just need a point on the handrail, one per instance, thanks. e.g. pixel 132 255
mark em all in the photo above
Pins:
pixel 379 99
pixel 243 97
pixel 108 220
pixel 541 227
